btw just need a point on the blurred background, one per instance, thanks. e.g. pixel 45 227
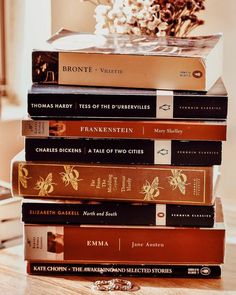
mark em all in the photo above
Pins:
pixel 26 24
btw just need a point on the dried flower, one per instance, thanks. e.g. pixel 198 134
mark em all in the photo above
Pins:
pixel 151 17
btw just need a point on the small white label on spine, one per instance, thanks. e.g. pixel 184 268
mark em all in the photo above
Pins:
pixel 160 214
pixel 44 242
pixel 162 152
pixel 164 104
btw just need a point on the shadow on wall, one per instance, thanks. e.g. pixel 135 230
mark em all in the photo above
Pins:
pixel 11 142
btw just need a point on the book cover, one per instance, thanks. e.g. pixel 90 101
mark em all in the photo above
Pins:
pixel 124 151
pixel 131 61
pixel 116 213
pixel 127 244
pixel 160 129
pixel 60 102
pixel 119 270
pixel 142 183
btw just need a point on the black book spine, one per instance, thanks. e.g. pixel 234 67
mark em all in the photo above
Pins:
pixel 124 151
pixel 214 107
pixel 128 106
pixel 91 106
pixel 156 271
pixel 118 214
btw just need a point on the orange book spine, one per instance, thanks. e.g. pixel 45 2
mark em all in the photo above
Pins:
pixel 121 244
pixel 175 130
pixel 148 183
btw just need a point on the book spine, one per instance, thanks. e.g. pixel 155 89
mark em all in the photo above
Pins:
pixel 180 130
pixel 200 107
pixel 120 270
pixel 118 214
pixel 118 70
pixel 57 105
pixel 124 151
pixel 124 244
pixel 149 183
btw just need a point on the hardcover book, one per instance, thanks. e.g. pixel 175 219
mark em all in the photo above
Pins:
pixel 136 183
pixel 131 270
pixel 124 151
pixel 116 213
pixel 161 129
pixel 60 102
pixel 131 61
pixel 126 244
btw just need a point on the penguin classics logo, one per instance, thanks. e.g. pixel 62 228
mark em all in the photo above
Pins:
pixel 161 214
pixel 163 152
pixel 205 271
pixel 197 74
pixel 165 107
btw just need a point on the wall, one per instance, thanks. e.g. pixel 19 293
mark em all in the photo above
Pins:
pixel 219 17
pixel 28 24
pixel 11 143
pixel 72 14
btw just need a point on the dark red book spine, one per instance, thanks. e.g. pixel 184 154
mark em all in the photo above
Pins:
pixel 172 130
pixel 123 244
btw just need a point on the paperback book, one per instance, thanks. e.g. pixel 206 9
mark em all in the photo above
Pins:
pixel 124 151
pixel 126 244
pixel 161 129
pixel 116 213
pixel 120 270
pixel 69 58
pixel 61 102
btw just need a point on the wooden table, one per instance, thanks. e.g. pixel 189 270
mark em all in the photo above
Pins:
pixel 14 281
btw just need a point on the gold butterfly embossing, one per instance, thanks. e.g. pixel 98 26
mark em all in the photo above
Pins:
pixel 151 190
pixel 45 187
pixel 71 176
pixel 178 180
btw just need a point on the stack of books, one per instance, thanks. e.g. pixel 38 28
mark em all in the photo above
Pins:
pixel 121 181
pixel 10 217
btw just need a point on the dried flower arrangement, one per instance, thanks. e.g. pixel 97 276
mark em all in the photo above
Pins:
pixel 149 17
